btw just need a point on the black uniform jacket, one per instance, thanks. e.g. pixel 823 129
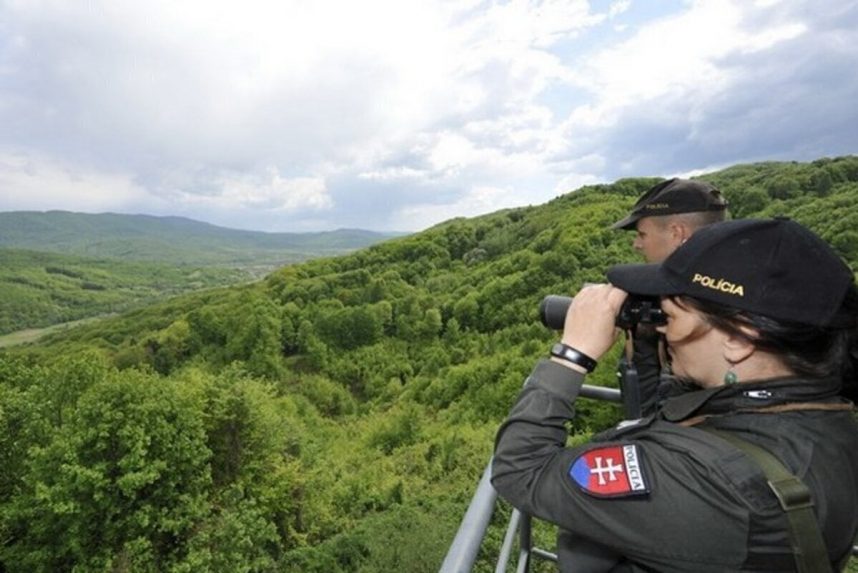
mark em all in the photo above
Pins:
pixel 657 495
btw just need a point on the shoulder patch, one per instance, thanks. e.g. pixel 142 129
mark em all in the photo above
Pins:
pixel 610 471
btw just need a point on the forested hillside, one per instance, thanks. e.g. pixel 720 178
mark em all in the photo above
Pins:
pixel 171 240
pixel 335 417
pixel 58 266
pixel 41 289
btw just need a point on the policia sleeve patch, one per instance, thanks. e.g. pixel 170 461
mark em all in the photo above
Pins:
pixel 610 471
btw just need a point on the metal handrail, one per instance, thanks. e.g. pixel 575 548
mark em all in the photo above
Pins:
pixel 463 551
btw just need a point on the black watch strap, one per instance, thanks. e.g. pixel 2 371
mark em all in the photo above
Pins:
pixel 569 354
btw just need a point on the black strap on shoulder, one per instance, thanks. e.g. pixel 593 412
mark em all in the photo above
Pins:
pixel 808 548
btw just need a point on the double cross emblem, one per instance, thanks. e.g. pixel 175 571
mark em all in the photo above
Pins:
pixel 611 469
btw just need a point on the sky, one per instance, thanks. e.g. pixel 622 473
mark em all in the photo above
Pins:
pixel 395 115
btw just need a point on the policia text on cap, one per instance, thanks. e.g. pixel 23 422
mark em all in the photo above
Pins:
pixel 753 465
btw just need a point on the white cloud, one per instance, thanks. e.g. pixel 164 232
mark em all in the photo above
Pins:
pixel 675 53
pixel 301 113
pixel 183 93
pixel 266 191
pixel 41 183
pixel 452 151
pixel 762 40
pixel 619 7
pixel 582 170
pixel 478 200
pixel 394 174
pixel 678 56
pixel 712 85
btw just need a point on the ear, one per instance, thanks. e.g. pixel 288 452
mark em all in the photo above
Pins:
pixel 737 348
pixel 680 232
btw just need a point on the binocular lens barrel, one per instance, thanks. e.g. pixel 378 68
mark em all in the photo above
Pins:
pixel 552 310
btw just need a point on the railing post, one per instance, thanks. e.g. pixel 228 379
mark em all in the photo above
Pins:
pixel 525 544
pixel 508 541
pixel 463 552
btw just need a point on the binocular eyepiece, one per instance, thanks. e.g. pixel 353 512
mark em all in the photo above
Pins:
pixel 637 309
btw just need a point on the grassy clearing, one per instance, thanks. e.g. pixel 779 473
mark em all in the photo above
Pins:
pixel 33 334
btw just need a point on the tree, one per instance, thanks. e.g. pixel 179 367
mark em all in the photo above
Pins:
pixel 122 486
pixel 311 345
pixel 821 182
pixel 289 322
pixel 747 202
pixel 351 327
pixel 782 187
pixel 255 335
pixel 467 311
pixel 173 346
pixel 19 421
pixel 431 324
pixel 255 471
pixel 846 244
pixel 460 239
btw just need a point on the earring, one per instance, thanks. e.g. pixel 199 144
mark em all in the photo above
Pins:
pixel 730 377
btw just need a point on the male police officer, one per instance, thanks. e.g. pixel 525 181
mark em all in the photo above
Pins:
pixel 664 218
pixel 669 213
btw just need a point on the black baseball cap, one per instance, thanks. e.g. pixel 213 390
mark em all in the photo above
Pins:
pixel 774 268
pixel 674 196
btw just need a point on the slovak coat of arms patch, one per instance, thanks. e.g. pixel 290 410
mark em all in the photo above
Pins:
pixel 610 471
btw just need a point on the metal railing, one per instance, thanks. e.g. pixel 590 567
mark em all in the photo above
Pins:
pixel 466 545
pixel 463 551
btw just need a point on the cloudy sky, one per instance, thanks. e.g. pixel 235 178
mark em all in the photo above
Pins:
pixel 394 115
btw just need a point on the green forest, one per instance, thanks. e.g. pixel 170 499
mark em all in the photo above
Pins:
pixel 41 289
pixel 335 416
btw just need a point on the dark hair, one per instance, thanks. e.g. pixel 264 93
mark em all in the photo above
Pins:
pixel 811 351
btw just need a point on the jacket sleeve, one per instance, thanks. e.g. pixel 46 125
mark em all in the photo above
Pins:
pixel 534 431
pixel 537 473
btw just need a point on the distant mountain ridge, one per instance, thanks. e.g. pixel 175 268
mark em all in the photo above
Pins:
pixel 171 239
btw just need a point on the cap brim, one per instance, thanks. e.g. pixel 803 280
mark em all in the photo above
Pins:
pixel 645 279
pixel 627 223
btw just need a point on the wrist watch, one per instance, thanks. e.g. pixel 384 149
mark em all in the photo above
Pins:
pixel 569 354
